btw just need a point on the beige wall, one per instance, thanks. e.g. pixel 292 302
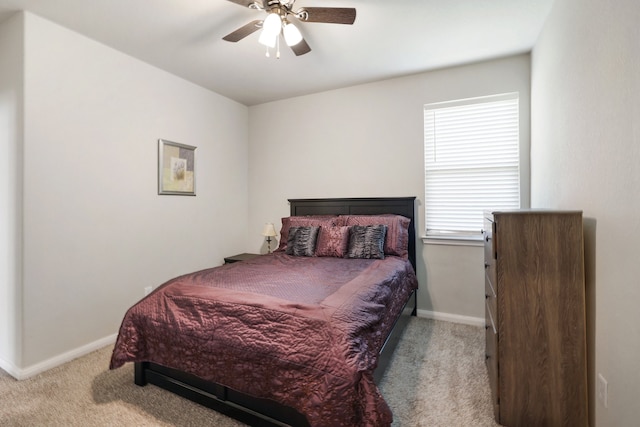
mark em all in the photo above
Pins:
pixel 11 92
pixel 95 231
pixel 367 140
pixel 586 155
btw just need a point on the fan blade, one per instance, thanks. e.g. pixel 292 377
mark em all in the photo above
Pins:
pixel 301 48
pixel 246 3
pixel 243 31
pixel 330 15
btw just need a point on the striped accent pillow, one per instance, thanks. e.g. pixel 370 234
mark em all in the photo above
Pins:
pixel 396 241
pixel 366 241
pixel 302 241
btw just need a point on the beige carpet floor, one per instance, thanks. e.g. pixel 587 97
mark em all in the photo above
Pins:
pixel 437 378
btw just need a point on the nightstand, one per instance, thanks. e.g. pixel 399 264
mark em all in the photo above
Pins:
pixel 239 257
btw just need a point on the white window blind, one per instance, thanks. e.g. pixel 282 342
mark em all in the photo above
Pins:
pixel 471 151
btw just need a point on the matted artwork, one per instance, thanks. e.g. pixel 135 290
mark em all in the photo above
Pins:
pixel 176 168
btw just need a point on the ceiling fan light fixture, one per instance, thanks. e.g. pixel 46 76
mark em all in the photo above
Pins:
pixel 271 28
pixel 292 35
pixel 272 24
pixel 267 39
pixel 277 22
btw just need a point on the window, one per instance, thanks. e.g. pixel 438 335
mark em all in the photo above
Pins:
pixel 471 152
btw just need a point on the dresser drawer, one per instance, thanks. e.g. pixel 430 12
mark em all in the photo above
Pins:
pixel 491 301
pixel 488 235
pixel 490 278
pixel 491 360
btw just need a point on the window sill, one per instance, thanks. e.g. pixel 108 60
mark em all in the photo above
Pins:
pixel 453 240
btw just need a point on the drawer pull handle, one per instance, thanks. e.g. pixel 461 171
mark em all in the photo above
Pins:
pixel 487 357
pixel 487 265
pixel 487 296
pixel 487 238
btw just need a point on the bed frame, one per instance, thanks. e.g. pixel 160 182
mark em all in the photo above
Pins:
pixel 263 412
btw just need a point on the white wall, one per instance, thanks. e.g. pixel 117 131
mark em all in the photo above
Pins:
pixel 367 140
pixel 586 155
pixel 95 231
pixel 11 91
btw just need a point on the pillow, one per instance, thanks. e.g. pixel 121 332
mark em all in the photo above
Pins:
pixel 303 221
pixel 397 240
pixel 366 241
pixel 333 241
pixel 302 241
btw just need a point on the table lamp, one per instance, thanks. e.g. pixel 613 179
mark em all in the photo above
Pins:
pixel 269 231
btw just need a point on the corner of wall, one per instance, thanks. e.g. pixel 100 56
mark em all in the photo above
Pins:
pixel 12 39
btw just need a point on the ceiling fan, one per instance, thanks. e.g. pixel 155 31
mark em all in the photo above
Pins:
pixel 278 21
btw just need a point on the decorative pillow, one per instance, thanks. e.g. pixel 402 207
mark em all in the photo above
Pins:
pixel 333 241
pixel 366 241
pixel 303 221
pixel 302 241
pixel 397 239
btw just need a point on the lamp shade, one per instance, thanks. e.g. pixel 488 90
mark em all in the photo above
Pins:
pixel 291 34
pixel 267 39
pixel 272 24
pixel 271 27
pixel 268 230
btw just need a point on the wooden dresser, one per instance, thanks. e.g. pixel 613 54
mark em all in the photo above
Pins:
pixel 535 317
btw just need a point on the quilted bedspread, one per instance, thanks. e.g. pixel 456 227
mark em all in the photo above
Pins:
pixel 302 331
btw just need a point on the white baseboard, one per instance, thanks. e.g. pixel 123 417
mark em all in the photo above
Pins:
pixel 23 374
pixel 9 368
pixel 455 318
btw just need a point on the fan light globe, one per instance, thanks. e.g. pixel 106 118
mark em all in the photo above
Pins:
pixel 291 34
pixel 272 24
pixel 267 39
pixel 270 30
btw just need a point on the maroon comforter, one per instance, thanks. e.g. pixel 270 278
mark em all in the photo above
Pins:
pixel 304 332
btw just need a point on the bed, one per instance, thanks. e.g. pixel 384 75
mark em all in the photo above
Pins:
pixel 268 356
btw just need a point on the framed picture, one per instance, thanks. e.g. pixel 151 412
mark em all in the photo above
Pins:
pixel 176 168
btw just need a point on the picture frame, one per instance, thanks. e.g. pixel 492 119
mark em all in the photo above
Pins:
pixel 176 168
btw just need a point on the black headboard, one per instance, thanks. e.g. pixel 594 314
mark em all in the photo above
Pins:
pixel 404 206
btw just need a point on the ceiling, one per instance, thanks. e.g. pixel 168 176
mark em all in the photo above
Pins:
pixel 389 38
